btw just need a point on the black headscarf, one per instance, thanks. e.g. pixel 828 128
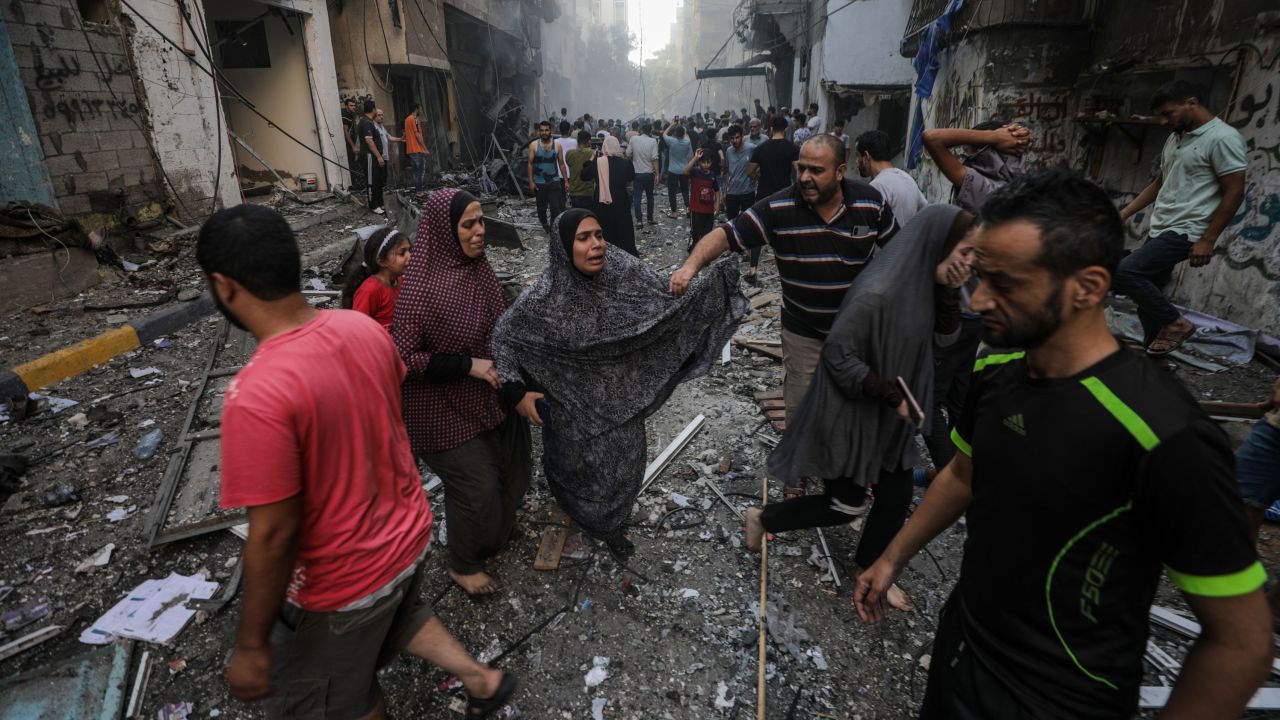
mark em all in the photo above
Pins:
pixel 567 228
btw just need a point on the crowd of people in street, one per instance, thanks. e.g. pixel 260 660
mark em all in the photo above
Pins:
pixel 1083 467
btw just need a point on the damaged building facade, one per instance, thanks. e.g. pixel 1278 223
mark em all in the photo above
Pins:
pixel 124 115
pixel 1078 73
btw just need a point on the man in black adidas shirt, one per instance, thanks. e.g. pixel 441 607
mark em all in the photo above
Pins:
pixel 1084 471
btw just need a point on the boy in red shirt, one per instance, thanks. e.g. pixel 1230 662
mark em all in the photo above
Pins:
pixel 314 446
pixel 704 196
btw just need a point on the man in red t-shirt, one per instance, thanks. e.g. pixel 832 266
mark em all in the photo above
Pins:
pixel 415 147
pixel 314 446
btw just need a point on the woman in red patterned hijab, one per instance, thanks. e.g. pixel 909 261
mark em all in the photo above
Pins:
pixel 449 302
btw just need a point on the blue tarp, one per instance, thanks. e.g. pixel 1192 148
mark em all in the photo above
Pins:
pixel 926 66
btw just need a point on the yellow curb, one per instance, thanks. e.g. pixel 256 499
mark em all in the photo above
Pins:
pixel 73 360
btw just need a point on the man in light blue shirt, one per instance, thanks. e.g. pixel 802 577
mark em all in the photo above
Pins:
pixel 1198 190
pixel 739 186
pixel 679 150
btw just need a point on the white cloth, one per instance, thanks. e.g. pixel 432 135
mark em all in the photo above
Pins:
pixel 563 146
pixel 901 192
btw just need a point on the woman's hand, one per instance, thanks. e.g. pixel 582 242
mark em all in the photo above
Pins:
pixel 484 371
pixel 527 408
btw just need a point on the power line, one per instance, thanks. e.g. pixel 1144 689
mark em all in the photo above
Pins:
pixel 222 81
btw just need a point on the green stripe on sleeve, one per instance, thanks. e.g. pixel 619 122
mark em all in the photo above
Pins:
pixel 960 442
pixel 1001 359
pixel 1136 426
pixel 1230 585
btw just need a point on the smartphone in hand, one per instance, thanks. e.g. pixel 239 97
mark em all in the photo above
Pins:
pixel 544 410
pixel 913 406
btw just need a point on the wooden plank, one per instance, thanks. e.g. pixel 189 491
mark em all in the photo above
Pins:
pixel 549 549
pixel 776 414
pixel 1170 620
pixel 771 351
pixel 773 404
pixel 779 426
pixel 1251 411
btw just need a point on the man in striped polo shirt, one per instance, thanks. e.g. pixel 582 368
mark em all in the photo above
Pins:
pixel 823 230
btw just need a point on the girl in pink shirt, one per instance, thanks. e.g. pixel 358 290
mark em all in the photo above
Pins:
pixel 373 286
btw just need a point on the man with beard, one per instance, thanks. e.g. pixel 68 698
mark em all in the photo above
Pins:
pixel 1198 190
pixel 314 447
pixel 823 230
pixel 1083 470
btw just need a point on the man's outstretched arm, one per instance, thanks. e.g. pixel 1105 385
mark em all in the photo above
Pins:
pixel 945 501
pixel 711 246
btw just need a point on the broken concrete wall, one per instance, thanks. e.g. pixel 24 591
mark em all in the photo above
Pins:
pixel 93 125
pixel 1085 96
pixel 189 129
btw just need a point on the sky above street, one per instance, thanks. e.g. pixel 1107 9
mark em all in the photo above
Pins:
pixel 650 22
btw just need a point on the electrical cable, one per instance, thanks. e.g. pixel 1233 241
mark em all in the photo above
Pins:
pixel 238 95
pixel 217 107
pixel 386 44
pixel 364 42
pixel 461 115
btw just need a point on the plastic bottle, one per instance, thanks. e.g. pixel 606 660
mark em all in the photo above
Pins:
pixel 148 445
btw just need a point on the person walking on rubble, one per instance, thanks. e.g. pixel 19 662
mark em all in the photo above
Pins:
pixel 1199 189
pixel 339 526
pixel 1084 472
pixel 415 147
pixel 544 176
pixel 824 230
pixel 456 421
pixel 854 427
pixel 596 321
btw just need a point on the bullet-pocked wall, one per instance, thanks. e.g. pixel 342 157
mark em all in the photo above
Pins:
pixel 93 125
pixel 1084 91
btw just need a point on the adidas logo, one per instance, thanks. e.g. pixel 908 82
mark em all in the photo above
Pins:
pixel 1014 423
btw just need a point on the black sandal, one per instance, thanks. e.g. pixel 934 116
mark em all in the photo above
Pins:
pixel 486 707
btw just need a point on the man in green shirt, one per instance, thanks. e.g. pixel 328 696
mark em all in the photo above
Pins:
pixel 581 192
pixel 1198 190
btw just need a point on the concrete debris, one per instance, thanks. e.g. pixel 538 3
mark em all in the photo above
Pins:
pixel 97 560
pixel 722 702
pixel 138 373
pixel 597 708
pixel 598 672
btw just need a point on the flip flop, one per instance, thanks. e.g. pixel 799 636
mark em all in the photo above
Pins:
pixel 486 707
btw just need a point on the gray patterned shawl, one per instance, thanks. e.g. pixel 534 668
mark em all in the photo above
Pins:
pixel 613 347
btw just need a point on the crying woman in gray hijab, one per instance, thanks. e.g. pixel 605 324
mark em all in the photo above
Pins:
pixel 592 348
pixel 856 426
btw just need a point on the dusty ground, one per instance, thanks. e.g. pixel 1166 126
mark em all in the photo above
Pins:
pixel 672 652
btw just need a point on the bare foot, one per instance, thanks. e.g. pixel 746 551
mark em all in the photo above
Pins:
pixel 899 599
pixel 754 529
pixel 476 584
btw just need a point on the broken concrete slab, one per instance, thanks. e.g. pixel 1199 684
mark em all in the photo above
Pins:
pixel 40 278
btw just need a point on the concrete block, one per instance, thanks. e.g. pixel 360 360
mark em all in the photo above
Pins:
pixel 50 144
pixel 134 157
pixel 29 279
pixel 66 39
pixel 75 204
pixel 119 139
pixel 36 14
pixel 123 122
pixel 105 160
pixel 64 164
pixel 88 182
pixel 79 142
pixel 24 56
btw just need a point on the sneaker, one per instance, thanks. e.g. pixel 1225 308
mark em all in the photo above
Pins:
pixel 379 211
pixel 639 226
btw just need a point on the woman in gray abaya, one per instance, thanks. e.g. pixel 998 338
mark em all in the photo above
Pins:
pixel 600 340
pixel 853 427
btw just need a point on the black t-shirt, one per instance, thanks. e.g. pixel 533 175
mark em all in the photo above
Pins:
pixel 348 122
pixel 712 149
pixel 1084 489
pixel 367 129
pixel 775 158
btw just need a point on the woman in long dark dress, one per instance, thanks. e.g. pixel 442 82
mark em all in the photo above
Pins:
pixel 613 174
pixel 604 343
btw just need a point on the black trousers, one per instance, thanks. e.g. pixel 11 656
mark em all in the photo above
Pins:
pixel 485 480
pixel 677 184
pixel 892 496
pixel 735 205
pixel 377 178
pixel 357 170
pixel 961 686
pixel 699 225
pixel 952 371
pixel 550 197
